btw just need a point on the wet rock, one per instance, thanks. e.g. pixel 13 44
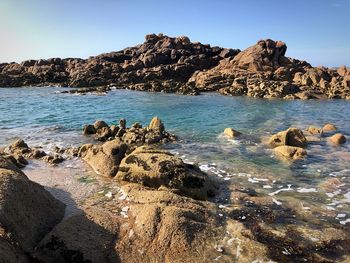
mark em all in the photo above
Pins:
pixel 10 253
pixel 289 137
pixel 155 168
pixel 56 159
pixel 27 211
pixel 231 133
pixel 291 152
pixel 100 124
pixel 103 134
pixel 328 127
pixel 338 139
pixel 314 130
pixel 105 158
pixel 89 129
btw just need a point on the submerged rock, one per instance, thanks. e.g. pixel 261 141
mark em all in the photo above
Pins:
pixel 295 153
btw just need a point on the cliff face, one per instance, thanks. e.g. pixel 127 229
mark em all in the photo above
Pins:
pixel 169 64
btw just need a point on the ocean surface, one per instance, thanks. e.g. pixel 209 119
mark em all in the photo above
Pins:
pixel 44 117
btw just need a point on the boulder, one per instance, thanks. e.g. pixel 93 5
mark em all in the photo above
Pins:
pixel 291 152
pixel 100 124
pixel 155 168
pixel 156 125
pixel 289 137
pixel 105 159
pixel 27 211
pixel 328 127
pixel 338 139
pixel 231 133
pixel 89 129
pixel 10 253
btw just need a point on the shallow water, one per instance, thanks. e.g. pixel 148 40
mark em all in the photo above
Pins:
pixel 43 117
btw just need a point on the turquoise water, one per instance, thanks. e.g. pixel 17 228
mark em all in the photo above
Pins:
pixel 44 117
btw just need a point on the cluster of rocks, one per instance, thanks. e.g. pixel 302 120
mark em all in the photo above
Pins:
pixel 135 135
pixel 292 142
pixel 161 63
pixel 264 71
pixel 19 151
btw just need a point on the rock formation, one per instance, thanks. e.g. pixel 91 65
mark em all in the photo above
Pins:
pixel 161 63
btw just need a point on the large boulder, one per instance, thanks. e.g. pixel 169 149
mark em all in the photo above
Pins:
pixel 289 137
pixel 155 168
pixel 10 253
pixel 104 159
pixel 27 210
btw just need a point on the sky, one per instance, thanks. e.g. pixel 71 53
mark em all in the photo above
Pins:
pixel 317 31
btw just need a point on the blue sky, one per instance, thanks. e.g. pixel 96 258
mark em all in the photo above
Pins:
pixel 315 30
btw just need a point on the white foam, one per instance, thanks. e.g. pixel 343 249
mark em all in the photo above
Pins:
pixel 345 221
pixel 341 215
pixel 289 188
pixel 306 190
pixel 276 201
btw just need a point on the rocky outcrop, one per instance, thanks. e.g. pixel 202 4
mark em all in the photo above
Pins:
pixel 27 211
pixel 161 63
pixel 264 71
pixel 136 135
pixel 19 151
pixel 175 64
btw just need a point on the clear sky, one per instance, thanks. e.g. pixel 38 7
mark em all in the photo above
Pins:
pixel 315 30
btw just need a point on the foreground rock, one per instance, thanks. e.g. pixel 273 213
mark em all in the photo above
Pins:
pixel 27 211
pixel 156 168
pixel 290 137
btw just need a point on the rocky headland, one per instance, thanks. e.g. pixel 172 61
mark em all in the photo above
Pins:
pixel 178 65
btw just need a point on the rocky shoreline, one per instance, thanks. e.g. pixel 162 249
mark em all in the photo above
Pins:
pixel 159 208
pixel 177 65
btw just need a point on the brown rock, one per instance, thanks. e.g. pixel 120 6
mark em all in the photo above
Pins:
pixel 105 159
pixel 155 168
pixel 289 137
pixel 338 139
pixel 156 125
pixel 314 130
pixel 295 153
pixel 100 124
pixel 328 127
pixel 27 211
pixel 231 133
pixel 89 129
